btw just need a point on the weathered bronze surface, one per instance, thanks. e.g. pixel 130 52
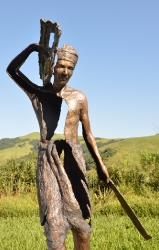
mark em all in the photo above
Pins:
pixel 63 193
pixel 47 27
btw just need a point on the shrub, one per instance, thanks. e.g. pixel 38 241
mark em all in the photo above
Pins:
pixel 18 176
pixel 150 163
pixel 9 143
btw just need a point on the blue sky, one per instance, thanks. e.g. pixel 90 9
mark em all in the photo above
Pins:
pixel 118 67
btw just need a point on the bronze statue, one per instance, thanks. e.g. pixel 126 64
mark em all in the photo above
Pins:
pixel 63 193
pixel 62 188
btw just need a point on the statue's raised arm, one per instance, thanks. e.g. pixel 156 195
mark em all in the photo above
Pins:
pixel 46 57
pixel 14 66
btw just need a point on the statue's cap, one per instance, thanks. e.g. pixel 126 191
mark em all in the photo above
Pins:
pixel 68 53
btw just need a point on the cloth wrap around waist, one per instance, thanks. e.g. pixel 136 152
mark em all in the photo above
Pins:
pixel 62 189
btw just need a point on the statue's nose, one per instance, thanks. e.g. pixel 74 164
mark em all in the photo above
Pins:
pixel 65 71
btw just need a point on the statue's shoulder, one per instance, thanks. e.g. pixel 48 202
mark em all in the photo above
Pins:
pixel 78 94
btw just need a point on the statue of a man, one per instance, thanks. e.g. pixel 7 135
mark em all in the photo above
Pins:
pixel 62 187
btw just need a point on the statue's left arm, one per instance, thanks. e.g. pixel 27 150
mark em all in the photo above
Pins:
pixel 91 143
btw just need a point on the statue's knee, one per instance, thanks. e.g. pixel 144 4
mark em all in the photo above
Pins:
pixel 83 237
pixel 52 247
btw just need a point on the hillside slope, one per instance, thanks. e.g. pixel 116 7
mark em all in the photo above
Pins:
pixel 125 148
pixel 20 146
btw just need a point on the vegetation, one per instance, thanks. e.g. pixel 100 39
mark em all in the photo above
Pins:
pixel 18 176
pixel 113 233
pixel 125 149
pixel 9 143
pixel 134 168
pixel 34 143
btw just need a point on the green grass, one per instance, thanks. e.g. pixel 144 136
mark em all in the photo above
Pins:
pixel 14 152
pixel 18 206
pixel 113 233
pixel 118 233
pixel 112 229
pixel 128 150
pixel 17 151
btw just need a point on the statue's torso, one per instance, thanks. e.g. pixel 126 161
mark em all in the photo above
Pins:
pixel 47 107
pixel 74 102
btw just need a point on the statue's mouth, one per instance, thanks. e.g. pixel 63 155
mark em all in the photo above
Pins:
pixel 63 78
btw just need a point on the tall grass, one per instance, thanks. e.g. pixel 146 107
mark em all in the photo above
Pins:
pixel 18 176
pixel 113 233
pixel 19 220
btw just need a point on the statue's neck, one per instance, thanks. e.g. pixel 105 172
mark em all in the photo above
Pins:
pixel 64 92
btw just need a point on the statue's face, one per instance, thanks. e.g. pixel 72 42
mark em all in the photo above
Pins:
pixel 62 72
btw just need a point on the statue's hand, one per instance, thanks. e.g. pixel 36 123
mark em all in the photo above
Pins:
pixel 48 70
pixel 103 173
pixel 107 178
pixel 39 48
pixel 48 66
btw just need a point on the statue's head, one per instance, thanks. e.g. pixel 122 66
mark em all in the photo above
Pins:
pixel 63 70
pixel 68 53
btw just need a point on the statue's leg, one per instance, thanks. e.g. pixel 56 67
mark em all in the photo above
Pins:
pixel 63 210
pixel 50 202
pixel 62 247
pixel 81 240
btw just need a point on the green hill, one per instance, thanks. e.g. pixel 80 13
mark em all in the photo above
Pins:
pixel 124 149
pixel 128 150
pixel 20 146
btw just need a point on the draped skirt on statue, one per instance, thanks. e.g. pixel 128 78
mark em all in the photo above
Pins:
pixel 63 194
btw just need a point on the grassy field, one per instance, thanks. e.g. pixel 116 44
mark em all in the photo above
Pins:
pixel 113 233
pixel 22 148
pixel 20 228
pixel 126 148
pixel 137 180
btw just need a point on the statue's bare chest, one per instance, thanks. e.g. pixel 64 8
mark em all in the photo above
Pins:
pixel 74 107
